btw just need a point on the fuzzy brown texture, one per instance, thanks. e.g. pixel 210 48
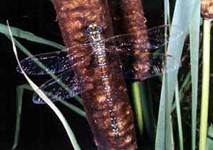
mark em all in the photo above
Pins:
pixel 207 8
pixel 134 23
pixel 106 103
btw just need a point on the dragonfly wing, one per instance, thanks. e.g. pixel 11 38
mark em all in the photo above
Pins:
pixel 157 66
pixel 158 37
pixel 66 86
pixel 55 62
pixel 141 59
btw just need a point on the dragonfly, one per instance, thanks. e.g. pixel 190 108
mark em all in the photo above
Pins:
pixel 120 47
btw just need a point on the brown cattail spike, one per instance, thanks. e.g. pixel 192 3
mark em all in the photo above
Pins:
pixel 134 22
pixel 106 102
pixel 207 9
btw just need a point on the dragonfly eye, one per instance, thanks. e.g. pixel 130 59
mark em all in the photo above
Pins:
pixel 94 29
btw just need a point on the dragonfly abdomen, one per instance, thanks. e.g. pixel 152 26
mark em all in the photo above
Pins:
pixel 110 103
pixel 109 111
pixel 106 73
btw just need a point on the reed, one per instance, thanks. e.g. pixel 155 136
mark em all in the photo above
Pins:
pixel 206 9
pixel 205 85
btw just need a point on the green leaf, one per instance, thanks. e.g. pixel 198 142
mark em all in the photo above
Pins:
pixel 179 118
pixel 73 108
pixel 29 36
pixel 205 84
pixel 137 96
pixel 19 99
pixel 194 30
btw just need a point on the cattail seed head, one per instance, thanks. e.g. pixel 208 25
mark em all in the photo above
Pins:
pixel 207 9
pixel 104 101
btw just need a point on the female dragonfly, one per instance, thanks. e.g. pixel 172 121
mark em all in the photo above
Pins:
pixel 117 48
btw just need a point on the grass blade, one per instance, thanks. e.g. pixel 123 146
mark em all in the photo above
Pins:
pixel 19 99
pixel 179 120
pixel 136 88
pixel 73 108
pixel 205 84
pixel 194 30
pixel 29 36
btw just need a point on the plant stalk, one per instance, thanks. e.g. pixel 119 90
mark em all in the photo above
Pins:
pixel 205 85
pixel 136 88
pixel 179 118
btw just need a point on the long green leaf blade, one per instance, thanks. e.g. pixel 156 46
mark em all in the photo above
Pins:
pixel 194 30
pixel 205 85
pixel 136 89
pixel 29 36
pixel 179 118
pixel 19 99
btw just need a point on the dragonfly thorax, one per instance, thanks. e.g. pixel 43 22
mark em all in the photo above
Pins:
pixel 94 33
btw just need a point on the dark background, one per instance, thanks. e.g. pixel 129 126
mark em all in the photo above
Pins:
pixel 40 128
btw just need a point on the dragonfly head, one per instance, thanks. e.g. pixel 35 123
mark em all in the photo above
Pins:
pixel 94 33
pixel 94 29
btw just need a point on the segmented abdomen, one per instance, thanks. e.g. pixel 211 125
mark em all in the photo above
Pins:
pixel 106 103
pixel 109 112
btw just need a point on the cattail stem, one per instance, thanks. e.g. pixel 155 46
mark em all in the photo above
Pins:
pixel 205 84
pixel 179 118
pixel 136 88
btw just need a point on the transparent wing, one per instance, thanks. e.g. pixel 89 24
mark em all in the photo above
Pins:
pixel 156 66
pixel 55 62
pixel 68 85
pixel 142 58
pixel 158 37
pixel 122 45
pixel 125 45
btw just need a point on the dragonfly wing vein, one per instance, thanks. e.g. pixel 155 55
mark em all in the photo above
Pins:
pixel 55 62
pixel 67 86
pixel 158 66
